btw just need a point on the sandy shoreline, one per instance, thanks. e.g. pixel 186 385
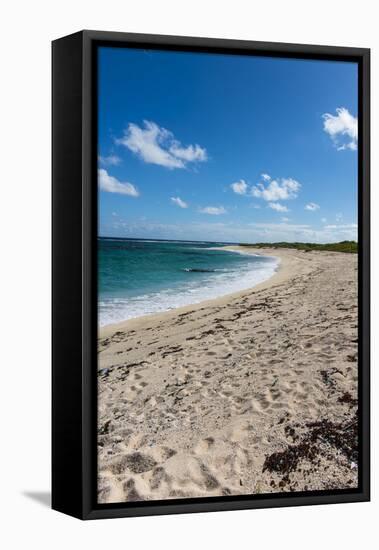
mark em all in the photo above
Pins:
pixel 248 393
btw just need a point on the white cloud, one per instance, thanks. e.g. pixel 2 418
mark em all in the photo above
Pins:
pixel 113 185
pixel 156 145
pixel 179 202
pixel 275 190
pixel 312 206
pixel 323 220
pixel 266 177
pixel 213 210
pixel 239 187
pixel 278 207
pixel 229 232
pixel 281 226
pixel 342 226
pixel 271 232
pixel 285 219
pixel 191 153
pixel 110 160
pixel 342 128
pixel 339 217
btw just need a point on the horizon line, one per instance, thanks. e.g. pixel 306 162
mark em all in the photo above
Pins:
pixel 220 242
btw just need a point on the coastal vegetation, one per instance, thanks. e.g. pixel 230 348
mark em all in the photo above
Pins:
pixel 343 246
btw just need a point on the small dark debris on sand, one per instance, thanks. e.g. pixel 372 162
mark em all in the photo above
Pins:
pixel 138 463
pixel 341 436
pixel 348 399
pixel 326 376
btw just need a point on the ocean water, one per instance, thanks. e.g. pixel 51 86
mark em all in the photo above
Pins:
pixel 139 277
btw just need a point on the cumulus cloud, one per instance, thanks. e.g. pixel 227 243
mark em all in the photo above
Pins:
pixel 278 207
pixel 110 160
pixel 266 177
pixel 342 128
pixel 191 153
pixel 111 184
pixel 312 206
pixel 275 190
pixel 179 202
pixel 156 145
pixel 213 210
pixel 239 187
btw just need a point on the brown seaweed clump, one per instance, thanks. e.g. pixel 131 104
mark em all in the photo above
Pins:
pixel 342 436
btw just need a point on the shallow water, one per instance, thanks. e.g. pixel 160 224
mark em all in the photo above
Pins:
pixel 138 277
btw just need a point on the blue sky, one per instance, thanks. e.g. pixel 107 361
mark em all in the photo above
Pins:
pixel 226 148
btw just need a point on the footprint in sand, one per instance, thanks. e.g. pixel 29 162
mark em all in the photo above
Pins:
pixel 204 445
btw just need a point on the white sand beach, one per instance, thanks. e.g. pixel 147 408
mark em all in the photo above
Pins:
pixel 254 392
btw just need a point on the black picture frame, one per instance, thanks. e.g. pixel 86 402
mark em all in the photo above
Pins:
pixel 74 295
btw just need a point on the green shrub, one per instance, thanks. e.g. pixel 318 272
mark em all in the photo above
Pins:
pixel 343 246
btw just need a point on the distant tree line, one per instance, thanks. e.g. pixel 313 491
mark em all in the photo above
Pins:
pixel 343 246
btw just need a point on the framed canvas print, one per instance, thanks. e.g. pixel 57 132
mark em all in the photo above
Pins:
pixel 210 274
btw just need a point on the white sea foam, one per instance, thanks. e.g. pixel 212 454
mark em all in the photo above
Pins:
pixel 213 285
pixel 241 252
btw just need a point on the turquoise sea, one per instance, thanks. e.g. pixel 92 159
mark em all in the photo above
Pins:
pixel 138 277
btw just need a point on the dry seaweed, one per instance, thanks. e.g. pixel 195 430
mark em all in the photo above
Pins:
pixel 348 399
pixel 341 436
